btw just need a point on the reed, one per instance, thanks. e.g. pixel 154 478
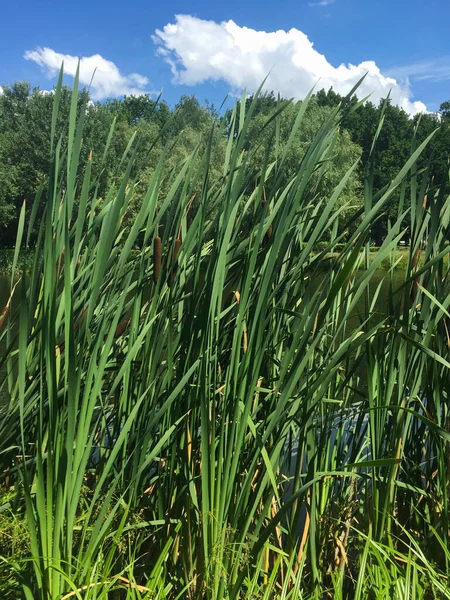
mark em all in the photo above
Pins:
pixel 157 252
pixel 4 316
pixel 251 433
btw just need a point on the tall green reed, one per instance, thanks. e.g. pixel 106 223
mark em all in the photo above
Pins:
pixel 229 428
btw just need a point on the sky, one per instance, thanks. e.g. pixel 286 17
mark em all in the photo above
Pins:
pixel 216 49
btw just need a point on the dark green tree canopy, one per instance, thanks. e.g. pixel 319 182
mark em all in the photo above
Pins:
pixel 25 122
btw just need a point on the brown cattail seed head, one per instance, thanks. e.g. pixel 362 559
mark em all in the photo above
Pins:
pixel 177 248
pixel 121 327
pixel 270 228
pixel 157 248
pixel 174 258
pixel 82 318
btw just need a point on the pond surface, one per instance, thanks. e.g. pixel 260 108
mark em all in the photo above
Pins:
pixel 4 290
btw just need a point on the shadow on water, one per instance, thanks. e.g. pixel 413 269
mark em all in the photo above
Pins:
pixel 4 289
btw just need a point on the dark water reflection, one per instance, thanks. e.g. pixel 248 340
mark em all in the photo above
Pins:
pixel 5 282
pixel 5 285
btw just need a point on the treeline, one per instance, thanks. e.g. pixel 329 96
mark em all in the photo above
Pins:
pixel 398 137
pixel 167 136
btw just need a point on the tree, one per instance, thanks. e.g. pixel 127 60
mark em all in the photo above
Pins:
pixel 436 155
pixel 392 150
pixel 25 159
pixel 330 98
pixel 445 109
pixel 263 104
pixel 137 109
pixel 342 153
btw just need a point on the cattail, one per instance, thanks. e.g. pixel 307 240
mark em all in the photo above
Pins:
pixel 244 338
pixel 415 282
pixel 121 327
pixel 157 247
pixel 60 262
pixel 174 258
pixel 234 224
pixel 270 229
pixel 82 318
pixel 5 312
pixel 3 316
pixel 189 442
pixel 176 249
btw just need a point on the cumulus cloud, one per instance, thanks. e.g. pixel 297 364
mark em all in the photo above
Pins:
pixel 199 50
pixel 102 75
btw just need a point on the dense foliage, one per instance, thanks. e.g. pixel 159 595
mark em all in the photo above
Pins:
pixel 198 405
pixel 25 117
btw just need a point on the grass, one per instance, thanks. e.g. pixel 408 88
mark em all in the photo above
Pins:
pixel 400 257
pixel 225 429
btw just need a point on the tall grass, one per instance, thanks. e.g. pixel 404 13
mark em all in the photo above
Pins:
pixel 198 408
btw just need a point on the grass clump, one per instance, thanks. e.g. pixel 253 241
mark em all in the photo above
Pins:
pixel 207 416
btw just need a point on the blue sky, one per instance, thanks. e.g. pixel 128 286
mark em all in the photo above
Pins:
pixel 216 48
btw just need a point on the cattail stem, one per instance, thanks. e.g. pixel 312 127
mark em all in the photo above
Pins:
pixel 157 251
pixel 60 262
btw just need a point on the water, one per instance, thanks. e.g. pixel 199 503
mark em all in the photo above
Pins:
pixel 5 284
pixel 4 289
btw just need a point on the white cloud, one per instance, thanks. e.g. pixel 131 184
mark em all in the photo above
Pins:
pixel 199 50
pixel 434 70
pixel 321 3
pixel 102 75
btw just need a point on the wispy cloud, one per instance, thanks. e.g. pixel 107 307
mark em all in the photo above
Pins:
pixel 321 3
pixel 103 76
pixel 243 57
pixel 433 70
